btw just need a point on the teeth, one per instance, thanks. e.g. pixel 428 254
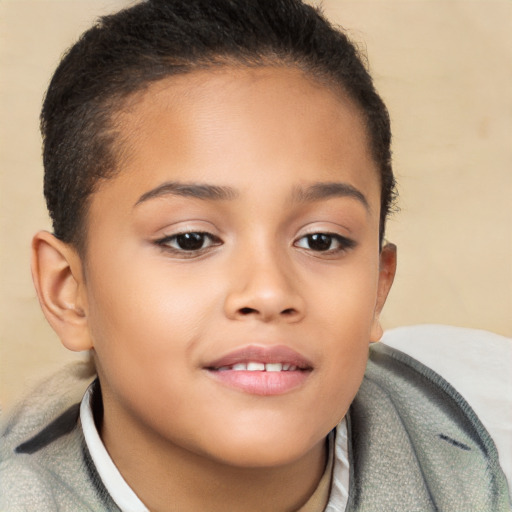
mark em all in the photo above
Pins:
pixel 259 367
pixel 255 367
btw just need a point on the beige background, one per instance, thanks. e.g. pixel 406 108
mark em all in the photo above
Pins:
pixel 445 70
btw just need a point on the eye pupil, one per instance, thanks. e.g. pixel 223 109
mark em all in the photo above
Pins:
pixel 190 241
pixel 319 242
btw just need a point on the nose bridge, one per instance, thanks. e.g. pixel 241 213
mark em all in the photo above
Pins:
pixel 264 284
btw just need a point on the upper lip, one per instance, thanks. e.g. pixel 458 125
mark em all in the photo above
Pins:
pixel 262 354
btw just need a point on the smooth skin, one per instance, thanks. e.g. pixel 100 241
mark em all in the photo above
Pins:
pixel 245 213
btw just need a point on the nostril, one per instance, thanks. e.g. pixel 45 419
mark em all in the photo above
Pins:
pixel 288 312
pixel 247 311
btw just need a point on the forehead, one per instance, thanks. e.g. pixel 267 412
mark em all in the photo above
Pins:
pixel 229 126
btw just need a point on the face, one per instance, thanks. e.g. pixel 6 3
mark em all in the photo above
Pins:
pixel 232 280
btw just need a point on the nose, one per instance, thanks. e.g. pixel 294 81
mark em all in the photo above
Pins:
pixel 264 288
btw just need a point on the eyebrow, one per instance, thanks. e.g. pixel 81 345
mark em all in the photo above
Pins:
pixel 311 193
pixel 194 190
pixel 319 191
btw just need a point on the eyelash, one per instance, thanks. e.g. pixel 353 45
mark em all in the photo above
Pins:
pixel 344 244
pixel 164 243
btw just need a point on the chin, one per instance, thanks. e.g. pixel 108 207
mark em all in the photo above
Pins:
pixel 260 451
pixel 257 458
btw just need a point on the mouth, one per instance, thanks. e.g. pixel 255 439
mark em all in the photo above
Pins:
pixel 254 366
pixel 263 371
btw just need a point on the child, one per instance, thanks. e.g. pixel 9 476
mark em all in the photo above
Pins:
pixel 219 176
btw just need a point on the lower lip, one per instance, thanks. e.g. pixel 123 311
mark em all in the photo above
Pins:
pixel 261 382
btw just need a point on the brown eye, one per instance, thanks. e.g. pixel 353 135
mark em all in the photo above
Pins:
pixel 188 242
pixel 319 242
pixel 325 242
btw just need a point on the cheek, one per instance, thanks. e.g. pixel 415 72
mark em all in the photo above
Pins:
pixel 342 372
pixel 346 299
pixel 145 326
pixel 344 313
pixel 142 315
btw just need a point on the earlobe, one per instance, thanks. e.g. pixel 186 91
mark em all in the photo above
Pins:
pixel 58 279
pixel 387 270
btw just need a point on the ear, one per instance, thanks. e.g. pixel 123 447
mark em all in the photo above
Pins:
pixel 58 278
pixel 387 270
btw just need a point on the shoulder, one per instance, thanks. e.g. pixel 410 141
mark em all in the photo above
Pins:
pixel 42 445
pixel 45 402
pixel 477 364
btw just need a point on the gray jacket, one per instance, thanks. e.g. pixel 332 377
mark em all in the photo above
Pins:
pixel 414 444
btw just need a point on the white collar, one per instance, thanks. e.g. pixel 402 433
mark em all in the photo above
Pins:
pixel 115 484
pixel 338 496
